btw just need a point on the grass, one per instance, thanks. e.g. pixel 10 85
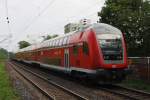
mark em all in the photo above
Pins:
pixel 137 84
pixel 6 90
pixel 3 54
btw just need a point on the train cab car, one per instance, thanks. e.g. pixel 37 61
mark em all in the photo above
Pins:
pixel 112 53
pixel 102 54
pixel 97 51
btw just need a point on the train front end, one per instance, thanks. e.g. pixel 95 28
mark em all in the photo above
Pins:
pixel 112 50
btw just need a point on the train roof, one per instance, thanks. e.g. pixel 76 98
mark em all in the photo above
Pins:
pixel 105 28
pixel 97 27
pixel 46 43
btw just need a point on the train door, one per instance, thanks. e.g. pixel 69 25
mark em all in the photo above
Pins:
pixel 66 59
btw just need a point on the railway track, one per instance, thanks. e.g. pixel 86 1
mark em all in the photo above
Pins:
pixel 128 93
pixel 95 92
pixel 73 85
pixel 18 69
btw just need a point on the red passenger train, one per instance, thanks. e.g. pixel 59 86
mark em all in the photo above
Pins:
pixel 97 52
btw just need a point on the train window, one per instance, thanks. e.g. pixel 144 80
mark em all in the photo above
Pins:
pixel 62 39
pixel 75 49
pixel 42 44
pixel 65 40
pixel 49 43
pixel 60 42
pixel 57 43
pixel 85 48
pixel 53 43
pixel 46 44
pixel 68 39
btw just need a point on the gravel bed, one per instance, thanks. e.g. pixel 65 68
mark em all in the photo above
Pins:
pixel 90 92
pixel 55 92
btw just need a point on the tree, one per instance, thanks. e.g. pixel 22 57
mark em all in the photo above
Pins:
pixel 131 16
pixel 23 44
pixel 3 53
pixel 49 37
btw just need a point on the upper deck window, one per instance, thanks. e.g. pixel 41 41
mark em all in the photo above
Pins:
pixel 49 43
pixel 53 43
pixel 65 40
pixel 61 41
pixel 57 42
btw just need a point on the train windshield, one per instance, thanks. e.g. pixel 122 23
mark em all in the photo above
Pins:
pixel 111 46
pixel 110 42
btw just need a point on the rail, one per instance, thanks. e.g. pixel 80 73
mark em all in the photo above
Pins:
pixel 54 84
pixel 127 93
pixel 34 84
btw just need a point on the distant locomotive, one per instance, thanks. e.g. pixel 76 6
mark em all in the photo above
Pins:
pixel 97 52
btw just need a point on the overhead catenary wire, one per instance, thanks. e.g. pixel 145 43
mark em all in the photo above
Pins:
pixel 38 15
pixel 7 16
pixel 8 23
pixel 81 12
pixel 9 29
pixel 51 2
pixel 93 13
pixel 84 10
pixel 42 11
pixel 77 15
pixel 4 40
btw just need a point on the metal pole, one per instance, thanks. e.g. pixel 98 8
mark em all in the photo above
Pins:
pixel 148 69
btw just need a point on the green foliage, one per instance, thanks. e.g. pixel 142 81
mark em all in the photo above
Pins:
pixel 6 91
pixel 23 44
pixel 49 37
pixel 132 17
pixel 3 53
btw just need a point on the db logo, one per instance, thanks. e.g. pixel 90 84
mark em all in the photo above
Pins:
pixel 113 66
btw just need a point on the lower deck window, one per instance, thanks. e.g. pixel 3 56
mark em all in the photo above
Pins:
pixel 75 49
pixel 85 48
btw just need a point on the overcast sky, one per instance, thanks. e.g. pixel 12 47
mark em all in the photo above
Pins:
pixel 31 19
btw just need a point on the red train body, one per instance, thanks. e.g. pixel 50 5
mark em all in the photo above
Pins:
pixel 97 52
